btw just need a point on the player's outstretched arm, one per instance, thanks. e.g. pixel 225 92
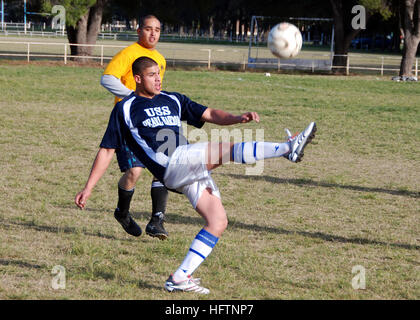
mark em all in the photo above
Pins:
pixel 115 86
pixel 224 118
pixel 101 163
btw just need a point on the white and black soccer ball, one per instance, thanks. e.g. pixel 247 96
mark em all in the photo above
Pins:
pixel 285 40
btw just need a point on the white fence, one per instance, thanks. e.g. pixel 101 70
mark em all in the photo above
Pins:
pixel 207 56
pixel 19 32
pixel 61 51
pixel 175 54
pixel 55 50
pixel 385 64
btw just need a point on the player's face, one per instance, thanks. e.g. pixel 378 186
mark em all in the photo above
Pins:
pixel 150 81
pixel 149 33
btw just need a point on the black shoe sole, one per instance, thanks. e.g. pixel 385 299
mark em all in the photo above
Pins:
pixel 161 236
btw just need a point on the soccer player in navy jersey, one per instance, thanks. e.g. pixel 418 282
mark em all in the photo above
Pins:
pixel 149 121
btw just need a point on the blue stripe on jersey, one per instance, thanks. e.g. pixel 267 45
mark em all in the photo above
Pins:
pixel 255 150
pixel 207 238
pixel 175 99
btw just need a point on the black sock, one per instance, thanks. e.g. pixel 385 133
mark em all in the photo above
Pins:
pixel 159 195
pixel 124 200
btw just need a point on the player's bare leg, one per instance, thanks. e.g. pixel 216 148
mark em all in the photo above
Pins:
pixel 129 179
pixel 211 209
pixel 252 151
pixel 218 154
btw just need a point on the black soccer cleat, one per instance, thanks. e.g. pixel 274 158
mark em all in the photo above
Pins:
pixel 155 226
pixel 127 222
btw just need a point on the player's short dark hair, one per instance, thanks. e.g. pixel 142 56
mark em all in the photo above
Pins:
pixel 143 19
pixel 142 63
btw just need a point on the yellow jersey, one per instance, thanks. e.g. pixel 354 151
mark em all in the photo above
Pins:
pixel 121 64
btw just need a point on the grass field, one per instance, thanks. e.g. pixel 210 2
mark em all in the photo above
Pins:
pixel 295 231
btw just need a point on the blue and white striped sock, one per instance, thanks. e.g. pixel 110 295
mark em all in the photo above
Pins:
pixel 250 152
pixel 199 250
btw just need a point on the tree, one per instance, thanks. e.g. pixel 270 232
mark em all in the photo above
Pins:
pixel 344 31
pixel 410 22
pixel 83 23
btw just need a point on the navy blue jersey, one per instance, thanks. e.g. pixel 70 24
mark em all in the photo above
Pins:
pixel 151 128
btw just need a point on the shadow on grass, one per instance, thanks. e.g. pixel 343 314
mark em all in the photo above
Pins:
pixel 145 285
pixel 309 182
pixel 173 218
pixel 20 263
pixel 55 229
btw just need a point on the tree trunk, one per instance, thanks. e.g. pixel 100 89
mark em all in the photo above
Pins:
pixel 211 27
pixel 86 32
pixel 343 36
pixel 411 26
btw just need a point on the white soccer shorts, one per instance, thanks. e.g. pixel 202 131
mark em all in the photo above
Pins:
pixel 187 172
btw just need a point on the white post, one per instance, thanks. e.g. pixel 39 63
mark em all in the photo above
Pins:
pixel 28 52
pixel 348 65
pixel 382 67
pixel 209 61
pixel 417 65
pixel 102 55
pixel 65 53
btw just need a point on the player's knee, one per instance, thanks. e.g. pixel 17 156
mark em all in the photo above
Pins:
pixel 133 174
pixel 224 223
pixel 219 224
pixel 129 179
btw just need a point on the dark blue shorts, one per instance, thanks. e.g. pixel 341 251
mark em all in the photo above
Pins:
pixel 127 160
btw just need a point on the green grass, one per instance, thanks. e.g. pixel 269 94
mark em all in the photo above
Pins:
pixel 295 231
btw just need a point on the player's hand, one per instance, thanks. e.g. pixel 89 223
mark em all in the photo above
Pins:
pixel 249 116
pixel 81 198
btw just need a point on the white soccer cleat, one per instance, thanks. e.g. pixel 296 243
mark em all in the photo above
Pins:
pixel 189 285
pixel 299 142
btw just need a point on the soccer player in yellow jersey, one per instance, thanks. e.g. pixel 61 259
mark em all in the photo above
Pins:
pixel 120 65
pixel 118 79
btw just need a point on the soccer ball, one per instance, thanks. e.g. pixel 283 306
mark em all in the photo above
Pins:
pixel 285 40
